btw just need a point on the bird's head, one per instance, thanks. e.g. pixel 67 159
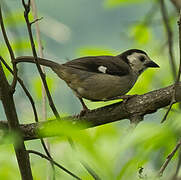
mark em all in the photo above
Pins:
pixel 138 60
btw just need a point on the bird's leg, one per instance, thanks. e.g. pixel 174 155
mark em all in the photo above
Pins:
pixel 85 108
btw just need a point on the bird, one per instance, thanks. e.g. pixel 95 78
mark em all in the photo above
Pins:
pixel 100 78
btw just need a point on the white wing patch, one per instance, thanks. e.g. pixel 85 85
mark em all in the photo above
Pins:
pixel 102 69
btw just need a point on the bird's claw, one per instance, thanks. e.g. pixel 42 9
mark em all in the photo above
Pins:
pixel 82 113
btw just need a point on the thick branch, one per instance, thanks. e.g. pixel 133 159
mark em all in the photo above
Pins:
pixel 138 105
pixel 13 124
pixel 10 50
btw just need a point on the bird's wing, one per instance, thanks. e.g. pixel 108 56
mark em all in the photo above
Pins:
pixel 100 64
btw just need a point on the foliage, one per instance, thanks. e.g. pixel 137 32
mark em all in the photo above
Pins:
pixel 115 150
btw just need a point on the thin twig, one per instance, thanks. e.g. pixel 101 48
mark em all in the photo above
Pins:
pixel 17 36
pixel 31 101
pixel 173 110
pixel 13 124
pixel 26 15
pixel 40 50
pixel 58 165
pixel 179 71
pixel 49 155
pixel 84 164
pixel 33 106
pixel 30 98
pixel 24 88
pixel 36 20
pixel 11 53
pixel 169 157
pixel 172 102
pixel 169 36
pixel 178 167
pixel 177 79
pixel 34 11
pixel 10 110
pixel 90 170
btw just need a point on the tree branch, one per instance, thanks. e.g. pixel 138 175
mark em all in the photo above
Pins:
pixel 55 163
pixel 11 53
pixel 175 176
pixel 6 93
pixel 23 87
pixel 13 124
pixel 42 75
pixel 139 105
pixel 170 48
pixel 46 145
pixel 169 37
pixel 169 157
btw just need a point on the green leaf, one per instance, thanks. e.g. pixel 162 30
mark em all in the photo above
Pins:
pixel 114 3
pixel 16 18
pixel 94 51
pixel 141 33
pixel 37 85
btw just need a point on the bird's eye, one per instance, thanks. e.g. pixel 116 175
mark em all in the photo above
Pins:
pixel 142 58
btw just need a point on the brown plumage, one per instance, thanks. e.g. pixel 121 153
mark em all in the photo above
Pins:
pixel 99 78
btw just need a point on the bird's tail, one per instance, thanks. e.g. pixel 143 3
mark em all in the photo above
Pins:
pixel 42 61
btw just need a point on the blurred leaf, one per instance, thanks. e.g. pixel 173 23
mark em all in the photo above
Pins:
pixel 37 85
pixel 8 138
pixel 9 168
pixel 60 128
pixel 18 46
pixel 144 83
pixel 7 73
pixel 114 3
pixel 111 150
pixel 127 170
pixel 16 18
pixel 93 51
pixel 141 33
pixel 93 105
pixel 21 45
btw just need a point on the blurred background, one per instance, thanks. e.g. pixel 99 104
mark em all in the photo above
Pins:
pixel 75 28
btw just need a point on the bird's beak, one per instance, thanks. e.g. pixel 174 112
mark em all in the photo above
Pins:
pixel 152 64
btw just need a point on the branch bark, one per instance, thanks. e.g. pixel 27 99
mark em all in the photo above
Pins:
pixel 6 96
pixel 13 124
pixel 137 106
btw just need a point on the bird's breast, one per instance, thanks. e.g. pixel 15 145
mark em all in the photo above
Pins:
pixel 103 86
pixel 96 86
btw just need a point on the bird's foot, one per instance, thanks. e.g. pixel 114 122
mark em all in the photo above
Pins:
pixel 83 112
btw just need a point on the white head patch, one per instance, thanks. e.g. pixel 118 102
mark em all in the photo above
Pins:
pixel 132 57
pixel 135 62
pixel 102 69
